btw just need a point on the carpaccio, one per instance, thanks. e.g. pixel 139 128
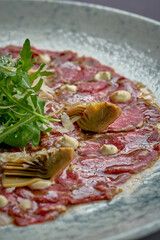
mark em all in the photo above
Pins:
pixel 91 176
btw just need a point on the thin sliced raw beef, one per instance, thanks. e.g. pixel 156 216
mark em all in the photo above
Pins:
pixel 129 119
pixel 91 176
pixel 93 86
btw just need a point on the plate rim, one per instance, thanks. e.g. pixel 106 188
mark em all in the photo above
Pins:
pixel 94 5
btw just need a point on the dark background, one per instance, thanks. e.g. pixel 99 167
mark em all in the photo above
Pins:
pixel 147 8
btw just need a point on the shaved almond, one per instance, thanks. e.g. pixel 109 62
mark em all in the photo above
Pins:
pixel 70 88
pixel 108 149
pixel 43 58
pixel 67 141
pixel 26 204
pixel 103 75
pixel 3 201
pixel 42 184
pixel 120 96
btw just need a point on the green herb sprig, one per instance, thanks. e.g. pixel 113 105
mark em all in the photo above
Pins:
pixel 22 115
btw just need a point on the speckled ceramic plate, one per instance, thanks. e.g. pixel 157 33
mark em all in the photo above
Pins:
pixel 130 44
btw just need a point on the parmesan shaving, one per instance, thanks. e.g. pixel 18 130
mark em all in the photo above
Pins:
pixel 9 156
pixel 50 78
pixel 58 128
pixel 61 130
pixel 46 88
pixel 66 122
pixel 49 106
pixel 9 190
pixel 45 91
pixel 45 95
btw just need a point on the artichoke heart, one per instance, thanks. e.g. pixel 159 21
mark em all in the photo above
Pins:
pixel 95 117
pixel 24 173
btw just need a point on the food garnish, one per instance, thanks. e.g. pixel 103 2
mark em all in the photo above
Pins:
pixel 3 201
pixel 95 117
pixel 47 166
pixel 67 141
pixel 41 184
pixel 120 96
pixel 71 88
pixel 85 95
pixel 108 149
pixel 103 75
pixel 21 111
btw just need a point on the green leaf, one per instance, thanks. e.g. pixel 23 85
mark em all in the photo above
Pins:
pixel 22 115
pixel 23 135
pixel 12 99
pixel 47 130
pixel 6 60
pixel 38 73
pixel 40 106
pixel 8 71
pixel 26 55
pixel 22 80
pixel 36 136
pixel 38 85
pixel 13 128
pixel 46 73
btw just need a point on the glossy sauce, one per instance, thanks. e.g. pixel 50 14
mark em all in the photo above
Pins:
pixel 91 176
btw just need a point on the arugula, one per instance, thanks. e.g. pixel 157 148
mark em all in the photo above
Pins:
pixel 22 115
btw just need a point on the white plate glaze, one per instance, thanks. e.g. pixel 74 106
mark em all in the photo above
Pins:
pixel 130 44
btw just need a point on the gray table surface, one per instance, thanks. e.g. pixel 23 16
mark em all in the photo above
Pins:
pixel 147 8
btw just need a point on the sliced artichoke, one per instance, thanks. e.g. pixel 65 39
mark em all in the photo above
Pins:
pixel 95 117
pixel 25 173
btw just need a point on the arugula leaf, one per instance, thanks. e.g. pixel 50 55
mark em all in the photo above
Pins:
pixel 9 130
pixel 21 111
pixel 20 138
pixel 26 55
pixel 38 85
pixel 39 73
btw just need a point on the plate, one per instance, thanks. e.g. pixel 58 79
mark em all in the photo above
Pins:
pixel 126 42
